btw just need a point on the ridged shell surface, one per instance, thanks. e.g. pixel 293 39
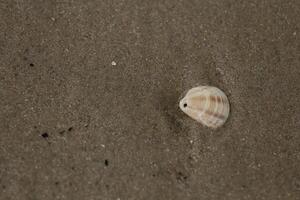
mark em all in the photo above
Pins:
pixel 207 105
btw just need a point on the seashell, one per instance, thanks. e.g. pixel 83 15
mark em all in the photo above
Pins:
pixel 207 105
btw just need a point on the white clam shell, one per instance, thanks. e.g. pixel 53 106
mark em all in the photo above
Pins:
pixel 207 105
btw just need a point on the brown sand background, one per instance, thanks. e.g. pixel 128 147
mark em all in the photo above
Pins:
pixel 115 132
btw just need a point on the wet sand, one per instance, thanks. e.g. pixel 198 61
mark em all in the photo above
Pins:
pixel 90 91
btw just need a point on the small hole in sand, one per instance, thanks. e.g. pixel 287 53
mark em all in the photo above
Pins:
pixel 45 135
pixel 106 162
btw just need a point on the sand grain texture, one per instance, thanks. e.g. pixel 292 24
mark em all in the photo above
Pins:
pixel 74 126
